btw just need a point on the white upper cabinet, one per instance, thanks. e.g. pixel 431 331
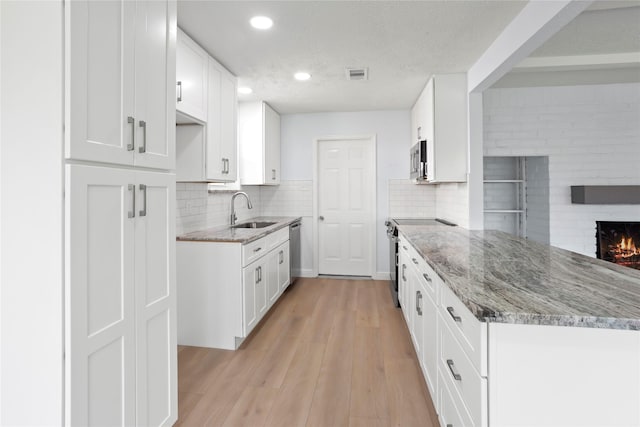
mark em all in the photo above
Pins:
pixel 221 146
pixel 191 79
pixel 259 139
pixel 440 116
pixel 119 74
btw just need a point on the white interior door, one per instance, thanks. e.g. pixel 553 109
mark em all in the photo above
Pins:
pixel 346 212
pixel 99 296
pixel 155 303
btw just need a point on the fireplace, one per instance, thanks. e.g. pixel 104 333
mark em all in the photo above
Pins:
pixel 619 242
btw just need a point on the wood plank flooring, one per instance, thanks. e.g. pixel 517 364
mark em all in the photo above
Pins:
pixel 331 352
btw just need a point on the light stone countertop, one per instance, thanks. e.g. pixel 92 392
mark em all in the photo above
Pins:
pixel 239 235
pixel 503 278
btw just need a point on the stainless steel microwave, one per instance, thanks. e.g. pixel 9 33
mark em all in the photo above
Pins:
pixel 418 169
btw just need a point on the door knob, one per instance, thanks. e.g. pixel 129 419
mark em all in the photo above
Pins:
pixel 321 218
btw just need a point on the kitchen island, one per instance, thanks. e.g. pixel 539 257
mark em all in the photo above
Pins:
pixel 527 334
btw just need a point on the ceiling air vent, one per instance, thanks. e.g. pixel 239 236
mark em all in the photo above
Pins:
pixel 357 73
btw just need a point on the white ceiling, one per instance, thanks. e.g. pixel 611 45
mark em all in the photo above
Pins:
pixel 401 42
pixel 601 45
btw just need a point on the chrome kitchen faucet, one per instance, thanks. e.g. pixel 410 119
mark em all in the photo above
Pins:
pixel 233 209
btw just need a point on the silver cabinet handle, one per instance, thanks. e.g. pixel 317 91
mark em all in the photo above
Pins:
pixel 404 268
pixel 257 275
pixel 224 166
pixel 273 174
pixel 132 212
pixel 426 277
pixel 449 425
pixel 132 122
pixel 226 162
pixel 143 125
pixel 418 300
pixel 453 315
pixel 143 188
pixel 456 375
pixel 281 257
pixel 257 250
pixel 179 91
pixel 260 274
pixel 404 247
pixel 321 218
pixel 415 261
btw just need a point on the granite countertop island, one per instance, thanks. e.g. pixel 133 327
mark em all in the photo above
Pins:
pixel 507 279
pixel 225 233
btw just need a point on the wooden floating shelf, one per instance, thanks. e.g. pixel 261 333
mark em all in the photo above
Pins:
pixel 605 194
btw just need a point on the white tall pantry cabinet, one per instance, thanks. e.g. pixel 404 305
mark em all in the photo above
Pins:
pixel 112 97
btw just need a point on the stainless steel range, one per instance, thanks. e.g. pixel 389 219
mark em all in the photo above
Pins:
pixel 392 234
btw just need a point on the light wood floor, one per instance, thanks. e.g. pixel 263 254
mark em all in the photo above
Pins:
pixel 330 353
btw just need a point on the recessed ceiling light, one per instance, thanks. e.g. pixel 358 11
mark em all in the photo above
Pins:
pixel 245 90
pixel 261 22
pixel 302 76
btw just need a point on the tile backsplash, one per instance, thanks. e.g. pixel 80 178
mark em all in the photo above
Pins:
pixel 197 208
pixel 410 200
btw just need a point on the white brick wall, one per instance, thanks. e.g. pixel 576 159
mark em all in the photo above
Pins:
pixel 409 200
pixel 592 137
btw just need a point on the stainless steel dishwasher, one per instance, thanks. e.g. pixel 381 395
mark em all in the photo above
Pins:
pixel 294 251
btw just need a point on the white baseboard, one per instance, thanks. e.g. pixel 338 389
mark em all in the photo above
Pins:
pixel 381 275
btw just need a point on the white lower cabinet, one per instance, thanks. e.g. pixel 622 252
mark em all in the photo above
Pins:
pixel 121 352
pixel 226 288
pixel 501 375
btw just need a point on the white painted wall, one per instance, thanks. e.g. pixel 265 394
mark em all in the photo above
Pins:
pixel 592 137
pixel 392 129
pixel 31 202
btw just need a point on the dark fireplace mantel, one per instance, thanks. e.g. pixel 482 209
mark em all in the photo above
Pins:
pixel 605 194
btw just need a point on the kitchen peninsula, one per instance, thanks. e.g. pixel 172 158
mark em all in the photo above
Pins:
pixel 527 334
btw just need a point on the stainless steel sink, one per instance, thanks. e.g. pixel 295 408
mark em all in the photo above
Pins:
pixel 253 225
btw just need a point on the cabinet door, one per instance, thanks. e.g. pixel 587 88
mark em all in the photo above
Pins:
pixel 261 288
pixel 250 278
pixel 271 146
pixel 216 164
pixel 229 124
pixel 273 285
pixel 191 78
pixel 417 312
pixel 99 296
pixel 155 308
pixel 428 131
pixel 154 84
pixel 99 81
pixel 429 359
pixel 283 266
pixel 221 124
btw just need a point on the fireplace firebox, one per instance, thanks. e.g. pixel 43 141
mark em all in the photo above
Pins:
pixel 619 242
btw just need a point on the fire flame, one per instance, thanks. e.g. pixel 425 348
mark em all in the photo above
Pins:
pixel 626 248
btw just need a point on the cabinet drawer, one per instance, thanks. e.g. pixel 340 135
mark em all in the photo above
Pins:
pixel 461 377
pixel 277 238
pixel 254 250
pixel 451 410
pixel 469 331
pixel 427 276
